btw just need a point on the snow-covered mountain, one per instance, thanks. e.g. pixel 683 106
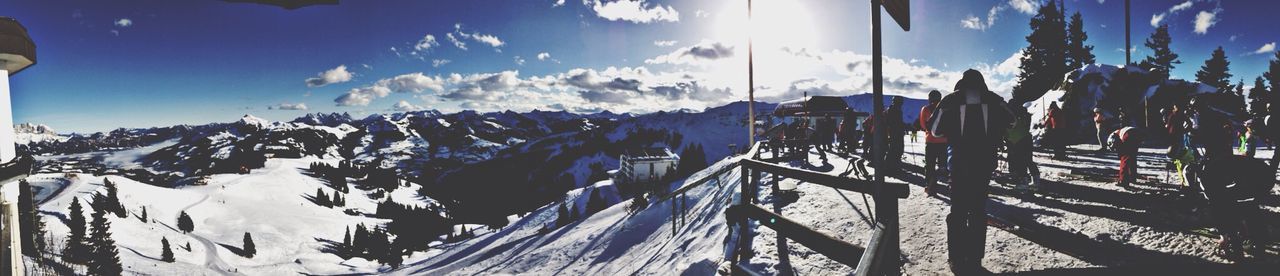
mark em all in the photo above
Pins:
pixel 28 133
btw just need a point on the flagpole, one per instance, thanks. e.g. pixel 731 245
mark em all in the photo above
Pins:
pixel 751 86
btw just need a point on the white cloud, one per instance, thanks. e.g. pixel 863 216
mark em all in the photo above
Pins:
pixel 665 43
pixel 1265 49
pixel 975 23
pixel 558 3
pixel 123 22
pixel 1204 20
pixel 544 56
pixel 1025 6
pixel 1233 38
pixel 436 63
pixel 412 82
pixel 288 106
pixel 456 42
pixel 1102 1
pixel 426 43
pixel 704 51
pixel 403 105
pixel 701 13
pixel 336 75
pixel 1159 17
pixel 635 11
pixel 518 60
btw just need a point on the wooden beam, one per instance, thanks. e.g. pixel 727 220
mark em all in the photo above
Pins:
pixel 897 190
pixel 836 249
pixel 870 264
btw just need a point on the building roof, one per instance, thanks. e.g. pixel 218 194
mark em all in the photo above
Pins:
pixel 812 106
pixel 654 153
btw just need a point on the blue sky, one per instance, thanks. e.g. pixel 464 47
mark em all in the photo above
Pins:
pixel 109 64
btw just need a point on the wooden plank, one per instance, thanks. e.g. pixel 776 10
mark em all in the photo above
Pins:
pixel 897 190
pixel 836 249
pixel 870 263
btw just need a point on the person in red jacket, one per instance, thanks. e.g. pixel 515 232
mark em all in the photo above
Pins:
pixel 935 147
pixel 1125 142
pixel 1055 131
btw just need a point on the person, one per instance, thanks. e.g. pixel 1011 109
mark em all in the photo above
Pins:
pixel 1055 131
pixel 1125 142
pixel 1021 166
pixel 826 132
pixel 1176 124
pixel 849 132
pixel 1249 139
pixel 1230 184
pixel 1100 123
pixel 935 147
pixel 895 136
pixel 868 135
pixel 974 120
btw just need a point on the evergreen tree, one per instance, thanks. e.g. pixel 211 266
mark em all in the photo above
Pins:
pixel 144 214
pixel 166 254
pixel 105 258
pixel 346 242
pixel 113 198
pixel 562 215
pixel 1216 71
pixel 596 202
pixel 249 248
pixel 1078 54
pixel 1259 97
pixel 358 243
pixel 337 200
pixel 184 222
pixel 322 199
pixel 76 251
pixel 29 221
pixel 1162 59
pixel 1044 61
pixel 1273 74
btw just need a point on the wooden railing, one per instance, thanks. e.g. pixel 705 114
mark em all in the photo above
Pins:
pixel 879 257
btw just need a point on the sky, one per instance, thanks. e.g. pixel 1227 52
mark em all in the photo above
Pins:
pixel 103 65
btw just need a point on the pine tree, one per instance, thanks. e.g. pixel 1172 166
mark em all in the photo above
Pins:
pixel 1044 61
pixel 105 258
pixel 596 202
pixel 346 242
pixel 1273 75
pixel 76 251
pixel 322 199
pixel 358 239
pixel 1078 54
pixel 1162 59
pixel 1216 71
pixel 29 221
pixel 113 198
pixel 144 214
pixel 337 200
pixel 562 215
pixel 249 248
pixel 166 254
pixel 1259 98
pixel 184 222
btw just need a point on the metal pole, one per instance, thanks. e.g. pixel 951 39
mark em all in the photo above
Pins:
pixel 751 85
pixel 886 206
pixel 1126 34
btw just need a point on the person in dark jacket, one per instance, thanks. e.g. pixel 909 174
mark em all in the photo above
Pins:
pixel 935 147
pixel 1231 185
pixel 895 136
pixel 1055 134
pixel 849 132
pixel 974 120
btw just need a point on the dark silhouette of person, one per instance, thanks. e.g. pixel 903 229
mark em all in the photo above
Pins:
pixel 1055 131
pixel 895 137
pixel 1021 166
pixel 974 120
pixel 849 132
pixel 935 147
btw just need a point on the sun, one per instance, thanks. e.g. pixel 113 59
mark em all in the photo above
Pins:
pixel 778 29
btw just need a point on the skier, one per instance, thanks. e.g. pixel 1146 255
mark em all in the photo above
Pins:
pixel 895 137
pixel 1125 142
pixel 849 132
pixel 935 147
pixel 1100 123
pixel 974 120
pixel 1055 131
pixel 1231 185
pixel 1023 169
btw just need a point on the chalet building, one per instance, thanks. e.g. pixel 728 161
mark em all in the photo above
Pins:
pixel 647 165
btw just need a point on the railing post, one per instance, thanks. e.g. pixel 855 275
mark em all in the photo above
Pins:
pixel 887 214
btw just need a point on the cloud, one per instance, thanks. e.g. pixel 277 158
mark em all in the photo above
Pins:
pixel 456 42
pixel 616 97
pixel 123 22
pixel 704 51
pixel 544 56
pixel 975 23
pixel 288 106
pixel 482 86
pixel 1159 17
pixel 436 63
pixel 558 3
pixel 1265 49
pixel 426 43
pixel 665 43
pixel 486 39
pixel 635 11
pixel 403 105
pixel 1027 7
pixel 518 60
pixel 412 82
pixel 1204 20
pixel 701 13
pixel 331 76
